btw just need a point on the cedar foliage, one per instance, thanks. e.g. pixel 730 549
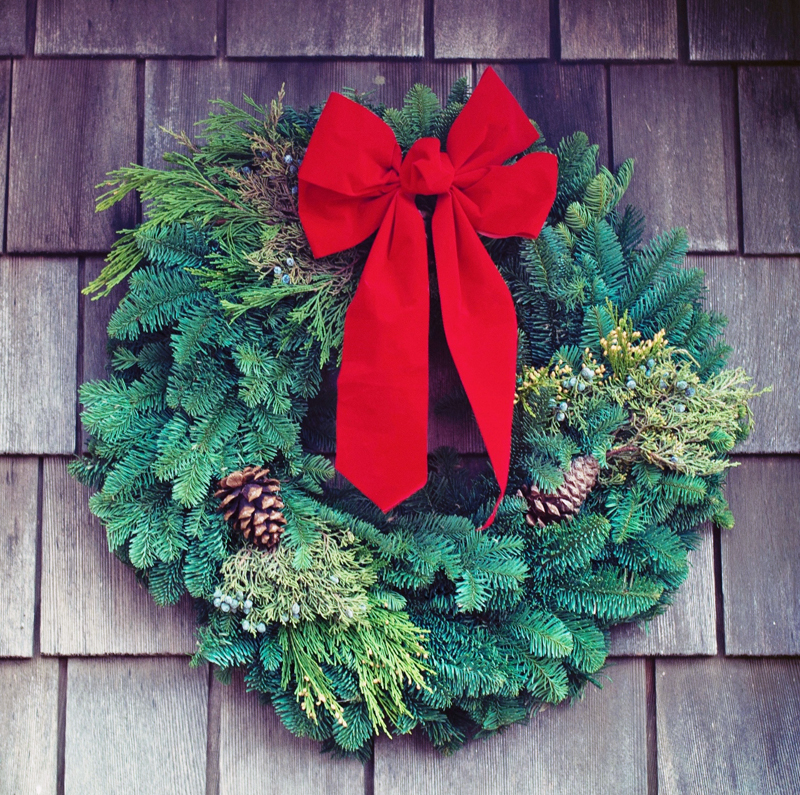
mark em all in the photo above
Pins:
pixel 216 360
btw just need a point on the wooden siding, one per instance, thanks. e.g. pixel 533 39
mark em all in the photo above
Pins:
pixel 147 27
pixel 135 725
pixel 19 494
pixel 72 121
pixel 739 30
pixel 38 354
pixel 596 745
pixel 769 126
pixel 728 726
pixel 628 30
pixel 308 27
pixel 12 27
pixel 491 29
pixel 677 122
pixel 91 603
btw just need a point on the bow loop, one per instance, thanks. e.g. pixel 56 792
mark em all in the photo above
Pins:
pixel 353 182
pixel 491 128
pixel 346 186
pixel 492 202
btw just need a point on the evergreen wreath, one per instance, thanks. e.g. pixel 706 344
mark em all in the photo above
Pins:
pixel 208 440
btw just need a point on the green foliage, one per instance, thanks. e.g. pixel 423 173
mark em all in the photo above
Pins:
pixel 333 585
pixel 641 400
pixel 423 117
pixel 418 117
pixel 361 621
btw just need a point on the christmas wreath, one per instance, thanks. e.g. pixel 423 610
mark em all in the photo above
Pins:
pixel 292 243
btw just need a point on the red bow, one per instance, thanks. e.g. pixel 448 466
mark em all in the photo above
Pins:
pixel 354 181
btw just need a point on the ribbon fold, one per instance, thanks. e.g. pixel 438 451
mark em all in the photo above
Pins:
pixel 353 182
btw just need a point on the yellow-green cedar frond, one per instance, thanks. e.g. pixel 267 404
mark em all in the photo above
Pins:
pixel 333 586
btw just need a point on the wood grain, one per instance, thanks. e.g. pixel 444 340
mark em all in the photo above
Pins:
pixel 728 726
pixel 739 30
pixel 178 92
pixel 12 27
pixel 595 746
pixel 29 729
pixel 92 603
pixel 308 27
pixel 689 625
pixel 561 99
pixel 769 126
pixel 135 726
pixel 38 350
pixel 761 298
pixel 19 481
pixel 678 124
pixel 5 97
pixel 135 27
pixel 72 121
pixel 761 558
pixel 491 29
pixel 623 30
pixel 257 754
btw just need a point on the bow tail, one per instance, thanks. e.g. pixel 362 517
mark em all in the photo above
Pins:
pixel 382 413
pixel 480 324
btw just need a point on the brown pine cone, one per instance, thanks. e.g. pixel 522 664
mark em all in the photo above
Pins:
pixel 252 501
pixel 567 500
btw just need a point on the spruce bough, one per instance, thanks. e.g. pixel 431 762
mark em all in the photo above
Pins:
pixel 362 622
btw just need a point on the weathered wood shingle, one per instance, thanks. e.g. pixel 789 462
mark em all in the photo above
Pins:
pixel 12 27
pixel 134 27
pixel 308 27
pixel 491 29
pixel 761 557
pixel 19 479
pixel 678 124
pixel 769 126
pixel 258 754
pixel 741 30
pixel 761 298
pixel 92 603
pixel 29 728
pixel 595 746
pixel 561 99
pixel 135 725
pixel 728 726
pixel 623 30
pixel 72 121
pixel 178 92
pixel 38 351
pixel 5 98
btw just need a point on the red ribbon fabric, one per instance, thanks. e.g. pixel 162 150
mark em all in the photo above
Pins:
pixel 353 182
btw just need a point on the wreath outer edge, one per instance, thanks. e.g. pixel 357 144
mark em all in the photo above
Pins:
pixel 348 620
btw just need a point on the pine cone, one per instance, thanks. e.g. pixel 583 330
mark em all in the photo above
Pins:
pixel 252 500
pixel 567 501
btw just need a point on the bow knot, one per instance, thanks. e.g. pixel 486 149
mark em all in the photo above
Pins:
pixel 426 170
pixel 353 183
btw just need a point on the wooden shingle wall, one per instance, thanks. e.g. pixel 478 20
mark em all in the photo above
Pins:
pixel 95 689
